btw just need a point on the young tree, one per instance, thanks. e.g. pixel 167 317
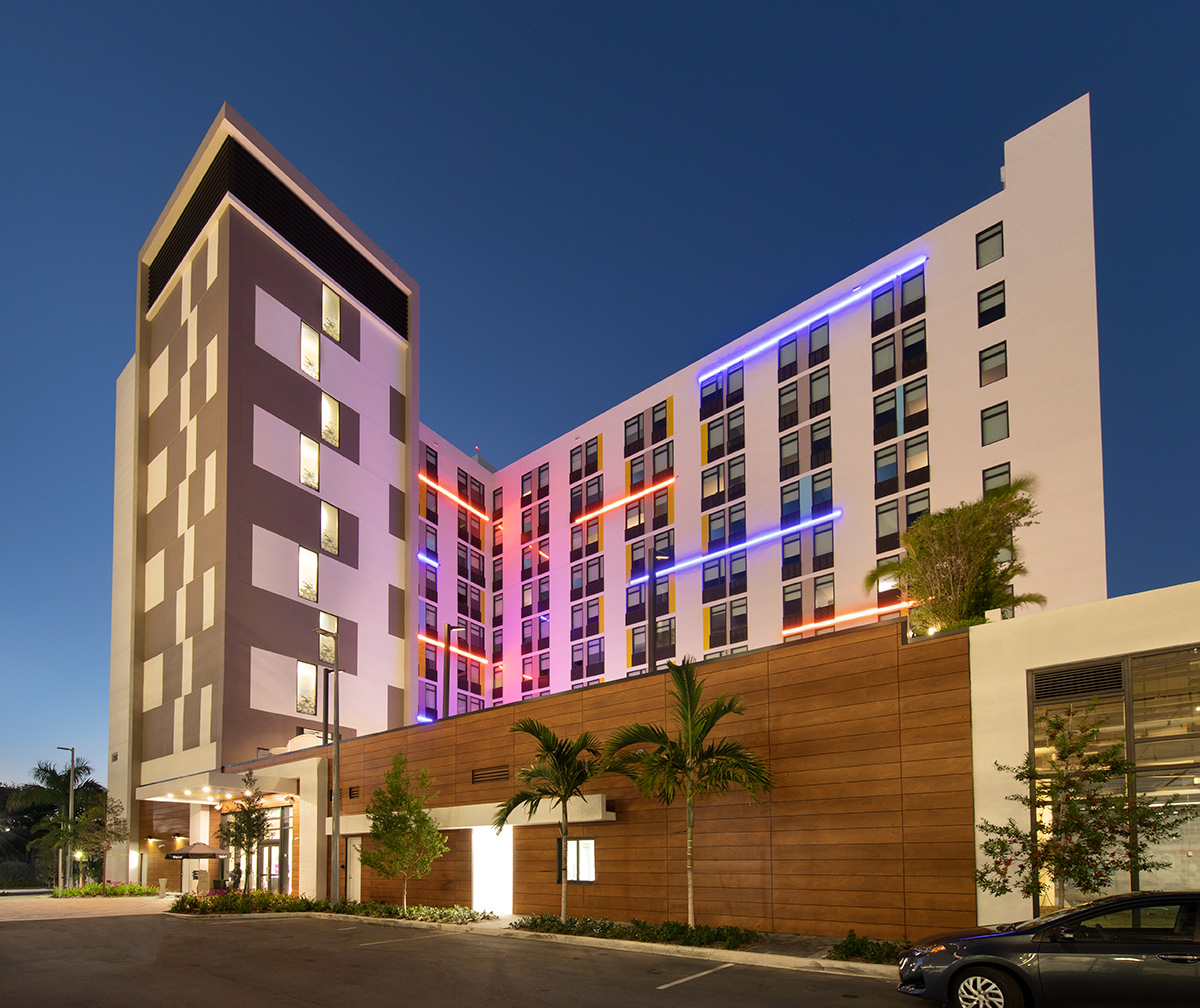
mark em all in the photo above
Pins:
pixel 1087 821
pixel 688 763
pixel 557 774
pixel 960 562
pixel 247 826
pixel 100 829
pixel 406 839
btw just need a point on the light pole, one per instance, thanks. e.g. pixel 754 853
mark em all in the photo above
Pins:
pixel 446 668
pixel 70 809
pixel 335 875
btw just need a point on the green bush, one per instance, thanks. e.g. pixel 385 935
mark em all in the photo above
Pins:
pixel 863 949
pixel 666 933
pixel 260 901
pixel 112 889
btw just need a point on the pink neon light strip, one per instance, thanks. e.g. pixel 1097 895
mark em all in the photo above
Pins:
pixel 625 500
pixel 454 497
pixel 848 616
pixel 466 654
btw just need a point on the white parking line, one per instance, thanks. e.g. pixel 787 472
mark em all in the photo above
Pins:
pixel 388 941
pixel 695 976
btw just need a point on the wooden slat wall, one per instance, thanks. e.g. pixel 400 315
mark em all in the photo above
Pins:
pixel 869 826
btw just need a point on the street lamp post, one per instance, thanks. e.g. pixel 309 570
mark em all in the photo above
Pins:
pixel 70 809
pixel 335 874
pixel 446 668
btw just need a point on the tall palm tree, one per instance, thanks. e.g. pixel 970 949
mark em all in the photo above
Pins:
pixel 52 787
pixel 558 773
pixel 689 763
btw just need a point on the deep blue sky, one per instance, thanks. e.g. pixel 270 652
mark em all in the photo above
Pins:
pixel 590 196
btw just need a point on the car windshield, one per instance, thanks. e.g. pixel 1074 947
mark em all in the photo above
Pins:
pixel 1050 918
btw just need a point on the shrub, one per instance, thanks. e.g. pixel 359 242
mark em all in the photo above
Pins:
pixel 863 949
pixel 113 889
pixel 260 901
pixel 667 933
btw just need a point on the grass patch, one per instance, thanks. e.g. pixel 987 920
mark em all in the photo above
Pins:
pixel 864 949
pixel 112 889
pixel 666 933
pixel 259 901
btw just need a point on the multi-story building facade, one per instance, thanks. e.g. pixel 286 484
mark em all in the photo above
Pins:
pixel 280 511
pixel 764 481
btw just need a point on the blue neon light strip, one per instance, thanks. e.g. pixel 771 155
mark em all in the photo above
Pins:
pixel 861 291
pixel 424 720
pixel 765 537
pixel 427 559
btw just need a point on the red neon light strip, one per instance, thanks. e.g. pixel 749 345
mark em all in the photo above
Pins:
pixel 848 616
pixel 454 497
pixel 466 654
pixel 625 500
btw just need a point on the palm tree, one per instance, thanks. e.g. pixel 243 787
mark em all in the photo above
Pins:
pixel 557 774
pixel 51 787
pixel 689 763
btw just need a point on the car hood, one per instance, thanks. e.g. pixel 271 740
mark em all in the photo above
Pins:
pixel 962 934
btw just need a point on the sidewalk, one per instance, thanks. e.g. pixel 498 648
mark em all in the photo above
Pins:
pixel 45 907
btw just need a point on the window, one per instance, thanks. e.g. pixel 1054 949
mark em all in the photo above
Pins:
pixel 787 359
pixel 581 860
pixel 791 567
pixel 576 463
pixel 885 416
pixel 306 688
pixel 428 577
pixel 635 434
pixel 464 485
pixel 887 526
pixel 916 405
pixel 543 526
pixel 789 502
pixel 993 423
pixel 714 439
pixel 883 310
pixel 789 410
pixel 595 656
pixel 737 477
pixel 307 582
pixel 526 562
pixel 664 460
pixel 637 473
pixel 883 363
pixel 497 574
pixel 713 579
pixel 576 501
pixel 915 505
pixel 793 602
pixel 595 576
pixel 733 386
pixel 593 492
pixel 329 528
pixel 823 603
pixel 664 638
pixel 818 343
pixel 431 462
pixel 527 488
pixel 576 584
pixel 637 645
pixel 498 503
pixel 635 604
pixel 737 523
pixel 635 519
pixel 716 531
pixel 913 357
pixel 886 471
pixel 526 636
pixel 543 480
pixel 591 536
pixel 916 460
pixel 591 457
pixel 991 304
pixel 996 478
pixel 712 487
pixel 310 351
pixel 637 559
pixel 823 546
pixel 427 617
pixel 912 295
pixel 310 463
pixel 789 455
pixel 431 503
pixel 736 430
pixel 989 245
pixel 576 622
pixel 737 572
pixel 526 525
pixel 664 548
pixel 822 493
pixel 887 588
pixel 739 620
pixel 331 314
pixel 659 422
pixel 818 392
pixel 712 398
pixel 330 419
pixel 576 542
pixel 717 626
pixel 993 364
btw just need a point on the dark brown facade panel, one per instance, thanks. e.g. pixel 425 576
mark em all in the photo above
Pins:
pixel 397 412
pixel 395 703
pixel 191 721
pixel 172 673
pixel 158 732
pixel 397 512
pixel 396 611
pixel 164 324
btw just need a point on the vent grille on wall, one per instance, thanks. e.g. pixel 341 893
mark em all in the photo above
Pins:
pixel 1078 683
pixel 236 171
pixel 489 773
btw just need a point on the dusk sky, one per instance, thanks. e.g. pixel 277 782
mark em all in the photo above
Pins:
pixel 590 197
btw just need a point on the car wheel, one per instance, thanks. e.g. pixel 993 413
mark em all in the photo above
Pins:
pixel 987 988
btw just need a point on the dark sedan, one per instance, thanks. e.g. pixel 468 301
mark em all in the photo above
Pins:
pixel 1137 949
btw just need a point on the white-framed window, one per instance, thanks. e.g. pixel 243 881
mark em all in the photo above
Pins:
pixel 581 859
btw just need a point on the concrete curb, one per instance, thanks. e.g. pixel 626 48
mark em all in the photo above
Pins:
pixel 769 959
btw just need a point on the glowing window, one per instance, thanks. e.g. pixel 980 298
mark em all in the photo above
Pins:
pixel 331 313
pixel 310 463
pixel 330 419
pixel 306 688
pixel 329 528
pixel 310 351
pixel 307 582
